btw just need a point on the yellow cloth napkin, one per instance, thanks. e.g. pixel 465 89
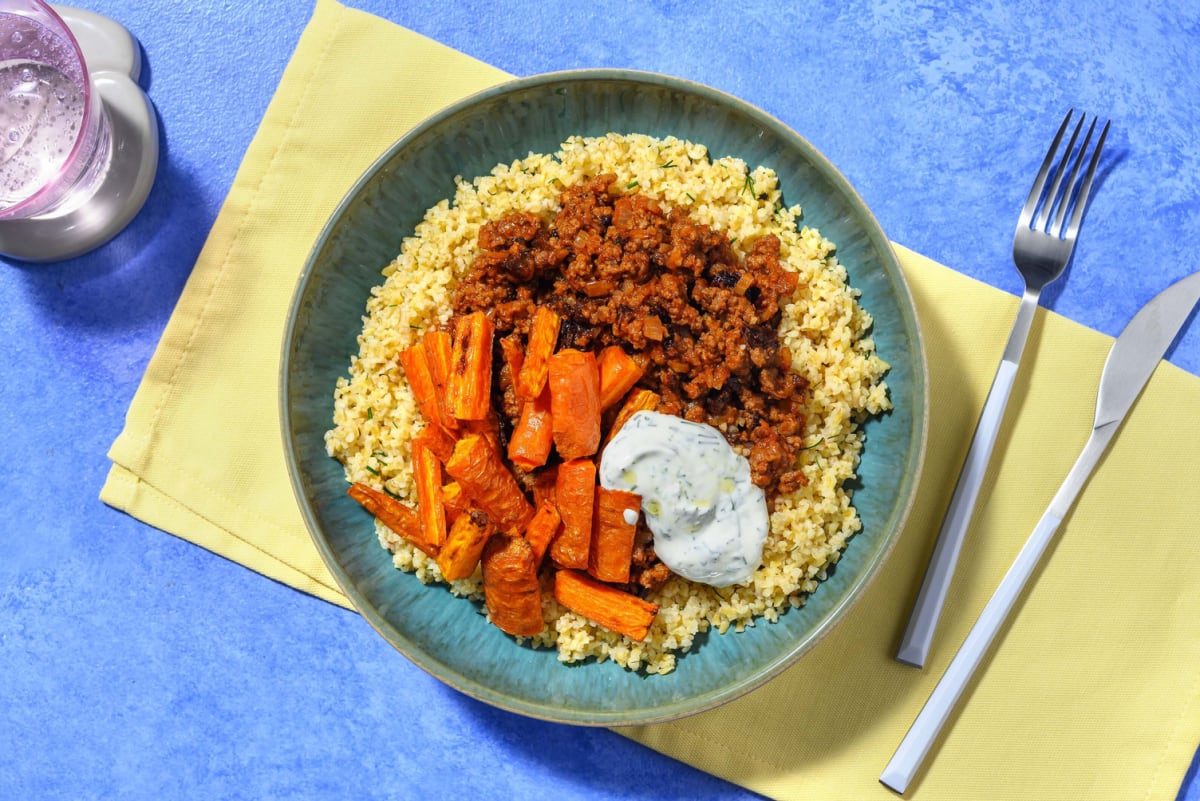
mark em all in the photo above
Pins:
pixel 1093 690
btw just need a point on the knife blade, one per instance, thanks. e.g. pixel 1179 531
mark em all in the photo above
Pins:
pixel 1130 363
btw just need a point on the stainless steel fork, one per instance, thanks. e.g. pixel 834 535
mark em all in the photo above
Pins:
pixel 1042 247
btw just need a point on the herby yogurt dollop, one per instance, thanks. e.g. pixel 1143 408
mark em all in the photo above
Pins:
pixel 708 518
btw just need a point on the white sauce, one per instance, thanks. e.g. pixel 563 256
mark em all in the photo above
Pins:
pixel 708 518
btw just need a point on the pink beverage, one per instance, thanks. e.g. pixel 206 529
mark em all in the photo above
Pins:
pixel 54 134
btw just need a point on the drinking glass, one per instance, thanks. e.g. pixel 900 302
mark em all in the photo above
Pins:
pixel 55 139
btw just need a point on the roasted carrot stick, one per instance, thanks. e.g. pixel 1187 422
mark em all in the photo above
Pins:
pixel 543 336
pixel 638 400
pixel 488 482
pixel 437 345
pixel 575 496
pixel 420 379
pixel 488 427
pixel 510 586
pixel 615 610
pixel 614 524
pixel 514 355
pixel 543 485
pixel 394 514
pixel 427 473
pixel 464 545
pixel 438 440
pixel 470 378
pixel 542 528
pixel 618 373
pixel 532 437
pixel 574 403
pixel 454 501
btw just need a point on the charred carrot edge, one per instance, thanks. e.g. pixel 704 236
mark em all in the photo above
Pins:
pixel 542 528
pixel 574 403
pixel 639 400
pixel 437 346
pixel 420 378
pixel 511 590
pixel 575 496
pixel 615 610
pixel 454 501
pixel 470 377
pixel 533 436
pixel 397 516
pixel 611 552
pixel 618 373
pixel 464 546
pixel 488 482
pixel 427 472
pixel 543 336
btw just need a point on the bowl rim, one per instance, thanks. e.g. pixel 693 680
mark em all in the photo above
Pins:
pixel 691 705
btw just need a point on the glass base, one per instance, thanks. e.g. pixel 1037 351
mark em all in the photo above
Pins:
pixel 114 62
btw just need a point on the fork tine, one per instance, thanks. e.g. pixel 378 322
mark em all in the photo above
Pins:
pixel 1065 201
pixel 1039 183
pixel 1052 194
pixel 1086 189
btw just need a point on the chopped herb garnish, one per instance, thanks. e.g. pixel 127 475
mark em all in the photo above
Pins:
pixel 372 470
pixel 370 413
pixel 389 492
pixel 749 185
pixel 689 196
pixel 631 184
pixel 815 444
pixel 670 163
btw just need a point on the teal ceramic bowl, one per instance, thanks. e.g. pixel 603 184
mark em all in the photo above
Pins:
pixel 447 636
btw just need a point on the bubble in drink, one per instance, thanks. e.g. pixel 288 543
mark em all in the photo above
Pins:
pixel 40 116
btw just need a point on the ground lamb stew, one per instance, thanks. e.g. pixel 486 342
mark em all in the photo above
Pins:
pixel 733 314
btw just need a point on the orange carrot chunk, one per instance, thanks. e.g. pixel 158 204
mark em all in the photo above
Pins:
pixel 575 496
pixel 543 336
pixel 454 501
pixel 427 472
pixel 533 436
pixel 543 485
pixel 514 355
pixel 464 545
pixel 420 378
pixel 510 586
pixel 615 610
pixel 438 440
pixel 470 378
pixel 488 482
pixel 574 403
pixel 398 516
pixel 614 524
pixel 639 400
pixel 542 528
pixel 618 373
pixel 437 346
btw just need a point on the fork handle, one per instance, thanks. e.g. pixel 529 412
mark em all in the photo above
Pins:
pixel 924 731
pixel 923 620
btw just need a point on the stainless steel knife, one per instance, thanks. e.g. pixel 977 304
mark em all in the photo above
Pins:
pixel 1130 363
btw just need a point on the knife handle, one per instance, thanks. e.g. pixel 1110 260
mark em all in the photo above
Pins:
pixel 923 621
pixel 921 735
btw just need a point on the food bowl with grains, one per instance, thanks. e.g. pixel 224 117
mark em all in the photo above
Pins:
pixel 603 396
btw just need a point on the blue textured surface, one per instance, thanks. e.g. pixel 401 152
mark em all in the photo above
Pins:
pixel 136 665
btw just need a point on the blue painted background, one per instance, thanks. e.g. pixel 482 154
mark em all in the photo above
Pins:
pixel 135 665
